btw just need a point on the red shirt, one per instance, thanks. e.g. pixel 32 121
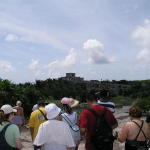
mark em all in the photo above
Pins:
pixel 88 121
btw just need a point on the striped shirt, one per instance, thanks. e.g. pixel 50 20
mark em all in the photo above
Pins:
pixel 108 104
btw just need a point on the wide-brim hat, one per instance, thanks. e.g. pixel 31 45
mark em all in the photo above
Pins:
pixel 69 101
pixel 73 102
pixel 52 111
pixel 7 109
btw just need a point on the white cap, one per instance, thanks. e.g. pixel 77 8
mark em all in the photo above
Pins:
pixel 35 107
pixel 8 109
pixel 52 111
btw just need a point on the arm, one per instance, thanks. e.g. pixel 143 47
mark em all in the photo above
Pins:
pixel 115 126
pixel 122 135
pixel 18 143
pixel 31 131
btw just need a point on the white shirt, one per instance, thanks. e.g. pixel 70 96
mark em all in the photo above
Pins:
pixel 54 135
pixel 72 117
pixel 73 120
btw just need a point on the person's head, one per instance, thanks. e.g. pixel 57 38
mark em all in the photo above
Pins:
pixel 18 103
pixel 68 104
pixel 135 112
pixel 35 107
pixel 104 93
pixel 6 113
pixel 52 111
pixel 90 98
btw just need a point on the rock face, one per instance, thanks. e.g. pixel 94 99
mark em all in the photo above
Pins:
pixel 121 114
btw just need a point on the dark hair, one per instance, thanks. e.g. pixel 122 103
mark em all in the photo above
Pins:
pixel 67 109
pixel 90 97
pixel 41 103
pixel 3 117
pixel 135 111
pixel 104 93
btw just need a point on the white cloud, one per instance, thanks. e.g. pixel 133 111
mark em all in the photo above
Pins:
pixel 6 66
pixel 142 38
pixel 11 37
pixel 34 65
pixel 70 59
pixel 54 66
pixel 92 43
pixel 21 33
pixel 96 52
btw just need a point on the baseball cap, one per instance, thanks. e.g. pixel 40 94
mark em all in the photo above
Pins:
pixel 8 109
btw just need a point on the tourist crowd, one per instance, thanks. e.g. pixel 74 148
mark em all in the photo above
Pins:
pixel 54 128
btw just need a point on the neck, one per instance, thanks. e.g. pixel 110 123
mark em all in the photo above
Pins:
pixel 93 104
pixel 133 118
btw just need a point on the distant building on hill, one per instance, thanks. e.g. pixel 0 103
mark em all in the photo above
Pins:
pixel 96 84
pixel 72 77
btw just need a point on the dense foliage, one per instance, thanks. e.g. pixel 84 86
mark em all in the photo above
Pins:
pixel 30 93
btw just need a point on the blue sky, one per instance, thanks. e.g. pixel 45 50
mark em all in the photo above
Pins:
pixel 96 39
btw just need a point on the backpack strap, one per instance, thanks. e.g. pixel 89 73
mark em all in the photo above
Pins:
pixel 43 114
pixel 4 129
pixel 140 129
pixel 67 119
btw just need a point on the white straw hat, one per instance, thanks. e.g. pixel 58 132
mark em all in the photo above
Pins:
pixel 52 111
pixel 8 109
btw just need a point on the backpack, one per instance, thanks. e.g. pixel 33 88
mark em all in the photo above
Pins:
pixel 3 143
pixel 102 137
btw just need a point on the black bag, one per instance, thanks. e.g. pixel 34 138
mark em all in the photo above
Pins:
pixel 102 137
pixel 3 143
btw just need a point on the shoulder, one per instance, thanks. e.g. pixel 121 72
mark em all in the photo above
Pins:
pixel 13 127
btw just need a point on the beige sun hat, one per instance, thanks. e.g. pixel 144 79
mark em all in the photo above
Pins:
pixel 73 102
pixel 69 101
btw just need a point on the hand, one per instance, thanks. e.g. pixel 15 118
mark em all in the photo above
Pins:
pixel 116 134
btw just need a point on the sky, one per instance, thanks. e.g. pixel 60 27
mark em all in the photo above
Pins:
pixel 96 39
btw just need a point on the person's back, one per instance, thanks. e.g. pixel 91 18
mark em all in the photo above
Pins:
pixel 88 121
pixel 136 132
pixel 54 134
pixel 71 118
pixel 133 129
pixel 35 120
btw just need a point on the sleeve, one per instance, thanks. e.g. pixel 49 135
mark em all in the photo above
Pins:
pixel 40 138
pixel 110 117
pixel 32 120
pixel 16 132
pixel 83 119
